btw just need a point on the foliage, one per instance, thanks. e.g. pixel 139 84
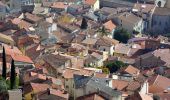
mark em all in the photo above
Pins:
pixel 4 64
pixel 64 19
pixel 104 69
pixel 115 66
pixel 3 86
pixel 122 35
pixel 84 24
pixel 103 31
pixel 16 83
pixel 13 76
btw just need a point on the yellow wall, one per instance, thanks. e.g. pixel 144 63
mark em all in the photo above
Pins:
pixel 28 96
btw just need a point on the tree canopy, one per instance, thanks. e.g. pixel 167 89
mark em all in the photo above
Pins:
pixel 115 66
pixel 122 35
pixel 13 75
pixel 4 64
pixel 103 31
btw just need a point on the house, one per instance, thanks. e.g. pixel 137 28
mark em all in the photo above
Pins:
pixel 146 43
pixel 163 54
pixel 122 49
pixel 131 70
pixel 33 76
pixel 95 4
pixel 3 11
pixel 46 5
pixel 77 49
pixel 111 27
pixel 68 27
pixel 93 96
pixel 85 85
pixel 148 60
pixel 145 11
pixel 44 30
pixel 56 64
pixel 161 21
pixel 139 96
pixel 158 84
pixel 21 61
pixel 34 19
pixel 52 94
pixel 106 13
pixel 32 89
pixel 116 3
pixel 130 22
pixel 22 24
pixel 89 42
pixel 106 44
pixel 58 7
pixel 6 39
pixel 94 60
pixel 75 9
pixel 69 79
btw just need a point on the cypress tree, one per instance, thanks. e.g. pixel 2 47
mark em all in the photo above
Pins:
pixel 13 75
pixel 4 64
pixel 84 24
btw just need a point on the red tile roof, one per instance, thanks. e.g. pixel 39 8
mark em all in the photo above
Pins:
pixel 109 25
pixel 158 83
pixel 132 70
pixel 90 2
pixel 21 58
pixel 37 87
pixel 69 72
pixel 61 5
pixel 91 97
pixel 119 84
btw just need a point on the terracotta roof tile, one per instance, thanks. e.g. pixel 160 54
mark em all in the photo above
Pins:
pixel 109 25
pixel 91 97
pixel 90 2
pixel 59 5
pixel 119 84
pixel 21 58
pixel 37 87
pixel 101 75
pixel 69 72
pixel 132 70
pixel 158 83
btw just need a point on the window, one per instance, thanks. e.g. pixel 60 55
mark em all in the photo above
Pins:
pixel 66 86
pixel 104 49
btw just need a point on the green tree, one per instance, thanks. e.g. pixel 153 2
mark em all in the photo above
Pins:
pixel 103 31
pixel 115 66
pixel 3 86
pixel 13 75
pixel 122 35
pixel 4 64
pixel 84 24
